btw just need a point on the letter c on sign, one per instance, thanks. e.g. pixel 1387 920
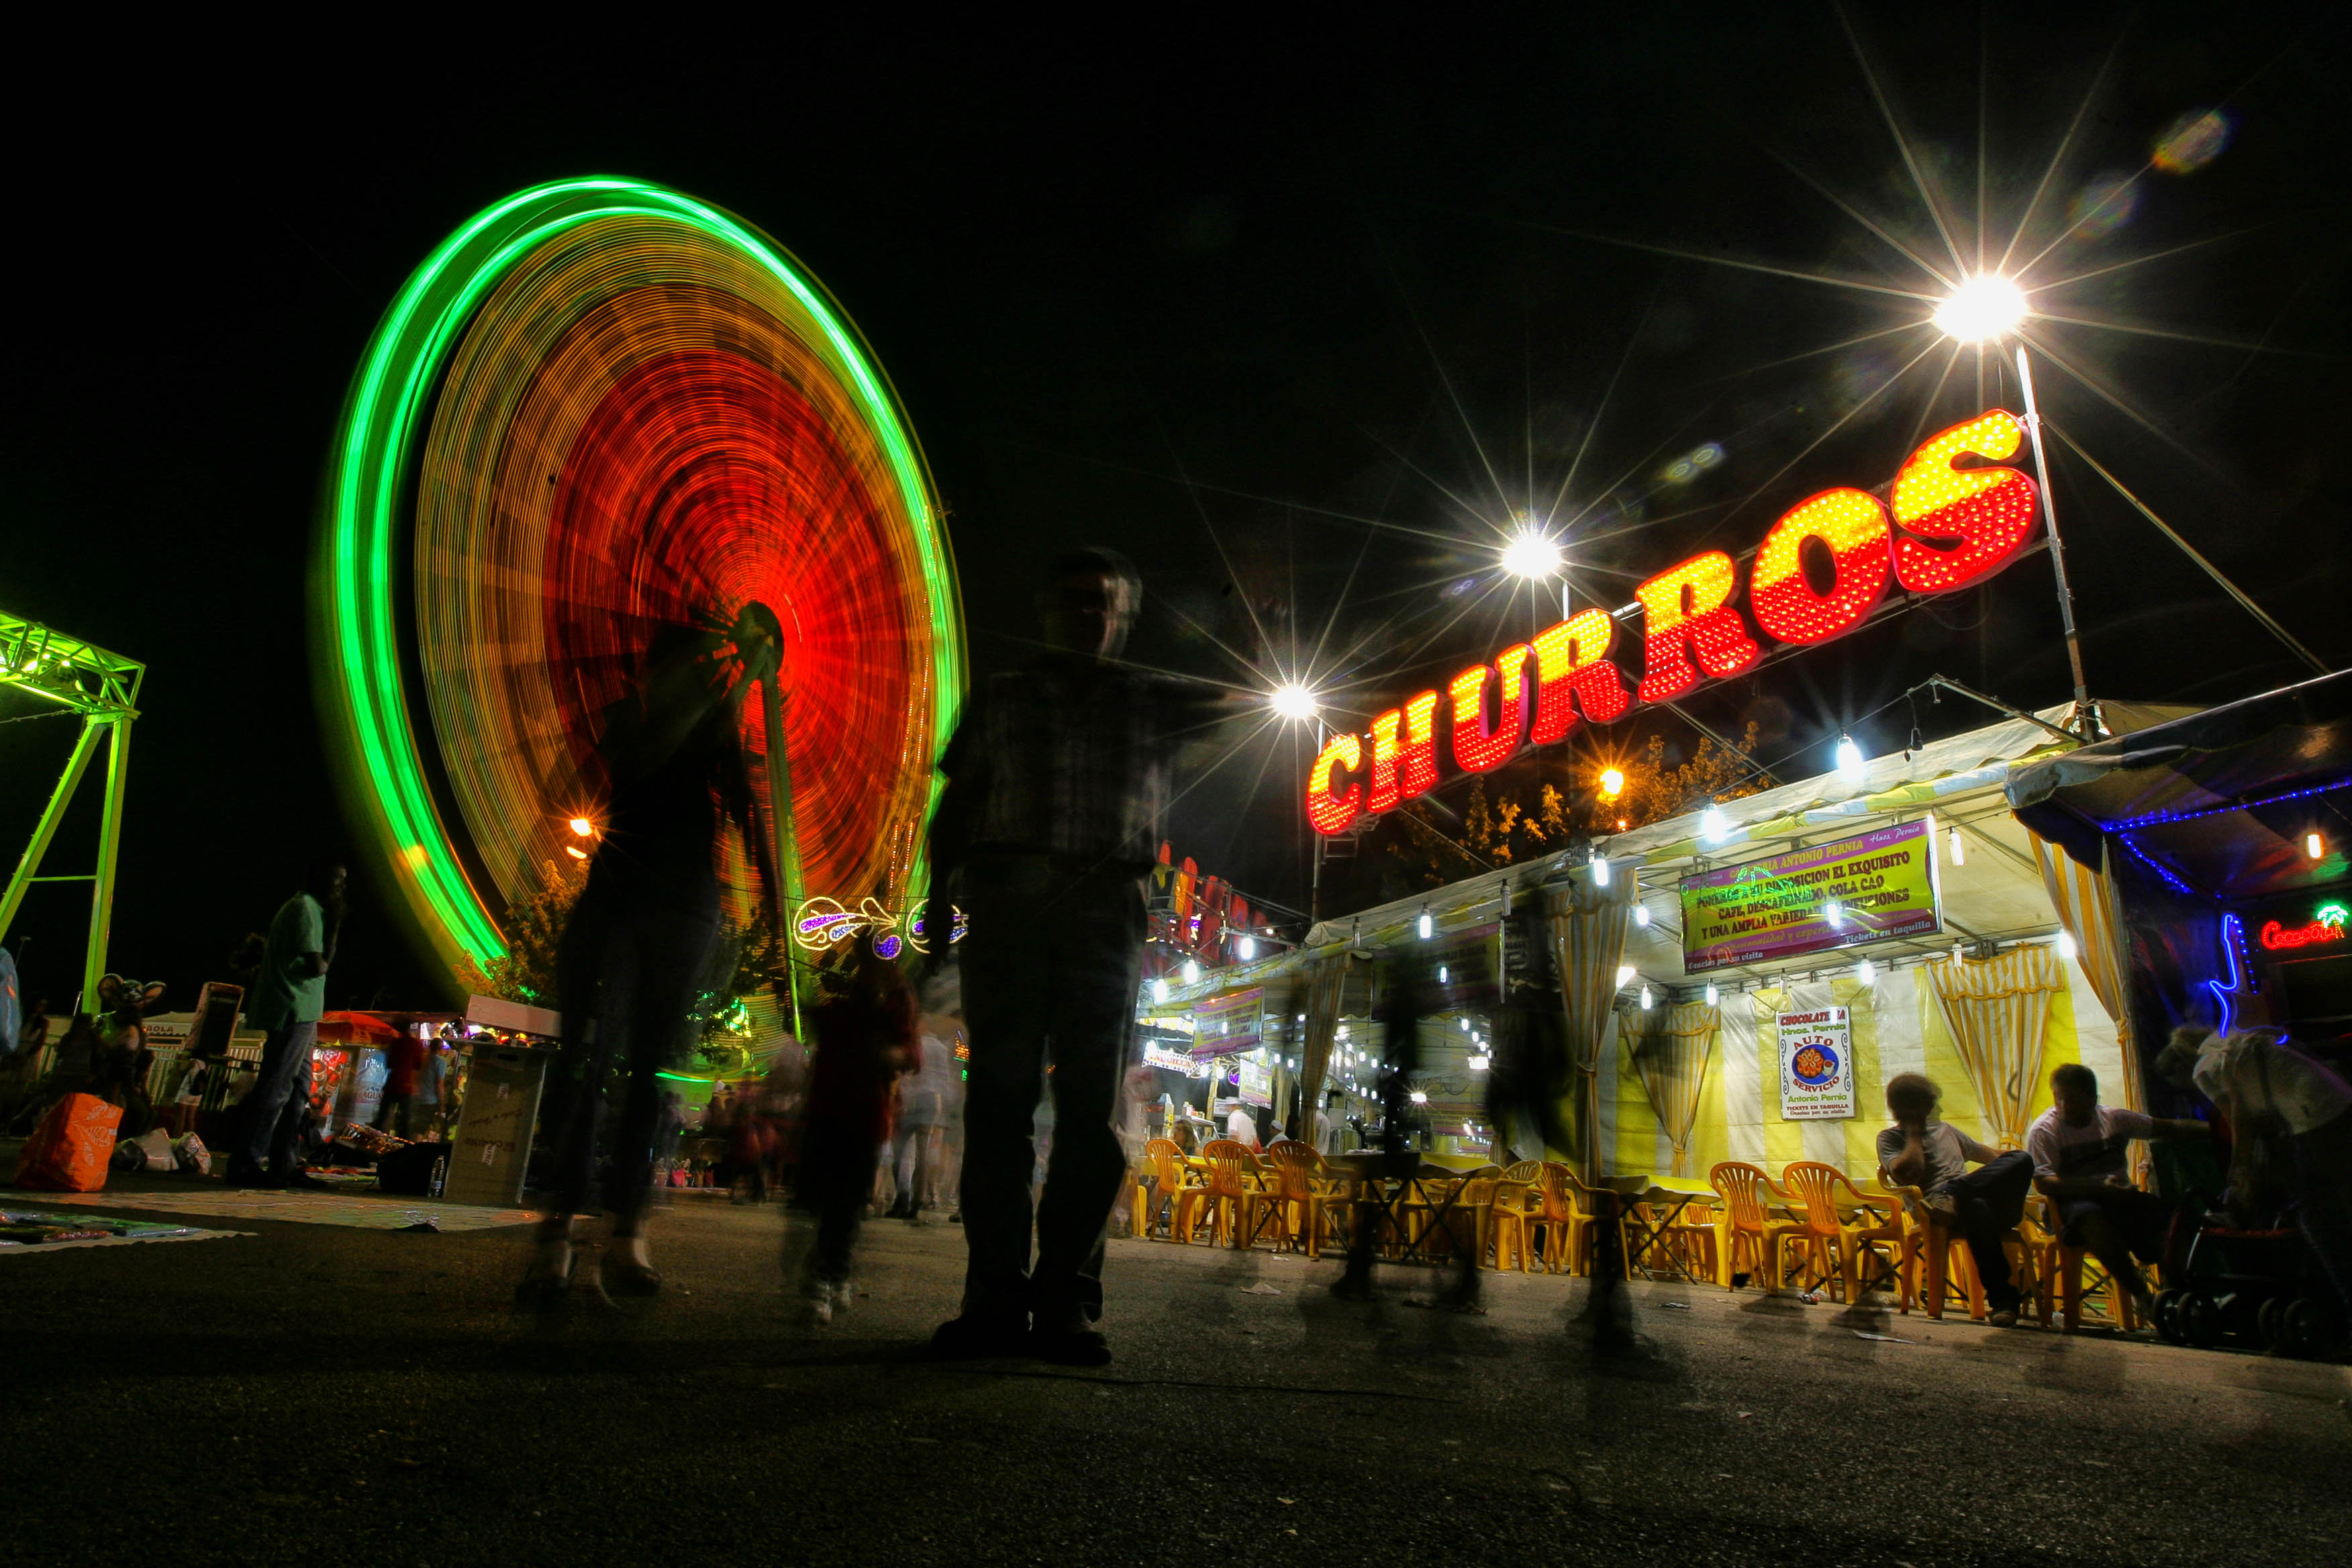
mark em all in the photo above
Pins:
pixel 1329 813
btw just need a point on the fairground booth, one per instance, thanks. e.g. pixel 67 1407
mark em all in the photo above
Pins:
pixel 1735 984
pixel 2219 842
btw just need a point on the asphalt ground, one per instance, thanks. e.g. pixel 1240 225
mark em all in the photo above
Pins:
pixel 315 1394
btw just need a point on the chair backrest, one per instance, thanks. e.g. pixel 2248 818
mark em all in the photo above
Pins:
pixel 1743 1189
pixel 1817 1185
pixel 1233 1168
pixel 1295 1166
pixel 1525 1171
pixel 1167 1164
pixel 1558 1185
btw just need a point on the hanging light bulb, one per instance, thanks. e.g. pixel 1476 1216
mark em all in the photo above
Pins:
pixel 1713 996
pixel 1712 825
pixel 1835 913
pixel 1159 989
pixel 1424 925
pixel 1599 871
pixel 1246 948
pixel 1465 1026
pixel 1646 998
pixel 1959 848
pixel 1849 757
pixel 1440 975
pixel 1866 971
pixel 2315 846
pixel 2067 950
pixel 1191 973
pixel 1641 914
pixel 1507 900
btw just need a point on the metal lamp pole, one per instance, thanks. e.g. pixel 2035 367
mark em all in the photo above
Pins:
pixel 2086 713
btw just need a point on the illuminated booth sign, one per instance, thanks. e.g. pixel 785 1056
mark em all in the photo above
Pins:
pixel 1857 890
pixel 1942 528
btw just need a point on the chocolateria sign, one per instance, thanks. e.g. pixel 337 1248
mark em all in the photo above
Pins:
pixel 1953 516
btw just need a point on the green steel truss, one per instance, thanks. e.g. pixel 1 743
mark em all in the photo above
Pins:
pixel 104 689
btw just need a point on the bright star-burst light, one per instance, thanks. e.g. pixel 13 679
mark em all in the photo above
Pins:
pixel 1986 307
pixel 1532 554
pixel 1293 701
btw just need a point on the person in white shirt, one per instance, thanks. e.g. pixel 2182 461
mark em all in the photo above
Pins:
pixel 2268 1089
pixel 1241 1126
pixel 1984 1204
pixel 2078 1147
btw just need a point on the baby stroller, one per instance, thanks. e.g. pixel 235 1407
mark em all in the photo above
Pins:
pixel 2255 1286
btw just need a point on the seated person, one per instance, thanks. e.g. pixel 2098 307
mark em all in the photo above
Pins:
pixel 2078 1147
pixel 1983 1204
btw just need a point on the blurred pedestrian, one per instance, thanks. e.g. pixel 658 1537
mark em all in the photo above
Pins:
pixel 1405 1001
pixel 865 1040
pixel 289 992
pixel 1048 824
pixel 403 1062
pixel 642 933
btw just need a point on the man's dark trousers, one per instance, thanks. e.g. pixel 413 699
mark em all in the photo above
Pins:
pixel 275 1106
pixel 1991 1201
pixel 1050 967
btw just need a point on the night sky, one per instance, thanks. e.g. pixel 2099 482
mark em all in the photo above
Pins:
pixel 1296 319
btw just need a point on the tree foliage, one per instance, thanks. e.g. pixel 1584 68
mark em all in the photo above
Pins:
pixel 1568 808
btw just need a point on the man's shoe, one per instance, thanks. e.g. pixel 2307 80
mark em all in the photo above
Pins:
pixel 1071 1341
pixel 253 1178
pixel 2004 1319
pixel 302 1180
pixel 976 1338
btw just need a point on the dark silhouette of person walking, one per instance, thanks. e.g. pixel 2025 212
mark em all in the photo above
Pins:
pixel 642 932
pixel 1047 827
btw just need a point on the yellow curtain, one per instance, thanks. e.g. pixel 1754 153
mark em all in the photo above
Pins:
pixel 1670 1049
pixel 1587 933
pixel 1997 1012
pixel 2086 905
pixel 1324 985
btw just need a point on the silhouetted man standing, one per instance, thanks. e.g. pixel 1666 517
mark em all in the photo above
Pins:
pixel 1049 824
pixel 289 992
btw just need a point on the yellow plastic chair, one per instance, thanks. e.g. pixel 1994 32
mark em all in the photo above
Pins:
pixel 1838 1243
pixel 1565 1219
pixel 1298 1198
pixel 1746 1233
pixel 1230 1191
pixel 2060 1290
pixel 1163 1162
pixel 1515 1207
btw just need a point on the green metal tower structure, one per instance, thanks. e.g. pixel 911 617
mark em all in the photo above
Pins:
pixel 103 688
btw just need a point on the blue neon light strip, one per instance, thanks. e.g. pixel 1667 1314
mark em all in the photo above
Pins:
pixel 2158 818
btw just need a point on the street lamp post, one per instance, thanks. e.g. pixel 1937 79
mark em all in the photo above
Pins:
pixel 1987 308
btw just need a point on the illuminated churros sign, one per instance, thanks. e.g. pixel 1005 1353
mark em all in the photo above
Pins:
pixel 1952 518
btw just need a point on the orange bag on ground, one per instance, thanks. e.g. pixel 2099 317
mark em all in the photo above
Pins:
pixel 68 1152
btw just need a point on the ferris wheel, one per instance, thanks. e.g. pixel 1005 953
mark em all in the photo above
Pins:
pixel 598 407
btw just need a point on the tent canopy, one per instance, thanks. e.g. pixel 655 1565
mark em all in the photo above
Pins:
pixel 2220 801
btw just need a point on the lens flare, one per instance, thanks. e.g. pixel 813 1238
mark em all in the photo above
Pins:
pixel 1532 554
pixel 1984 307
pixel 2193 141
pixel 1293 701
pixel 2106 202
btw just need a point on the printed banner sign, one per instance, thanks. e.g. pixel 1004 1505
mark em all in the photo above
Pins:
pixel 1158 1055
pixel 1845 894
pixel 1255 1082
pixel 1232 1022
pixel 1816 1065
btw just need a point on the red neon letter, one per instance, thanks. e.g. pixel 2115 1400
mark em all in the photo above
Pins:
pixel 1853 526
pixel 1988 510
pixel 1402 770
pixel 1477 747
pixel 1572 657
pixel 1335 813
pixel 1685 612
